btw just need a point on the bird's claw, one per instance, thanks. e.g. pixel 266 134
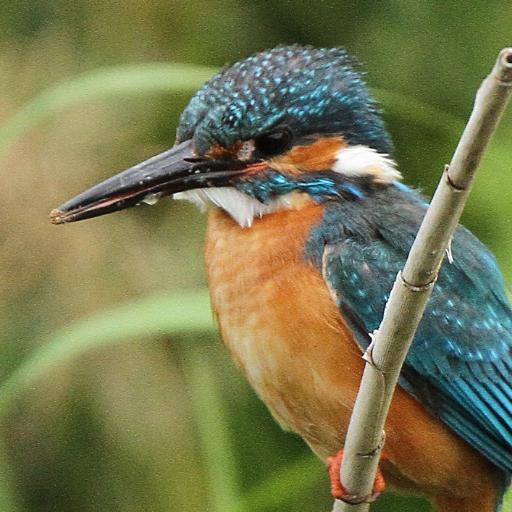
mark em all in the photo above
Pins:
pixel 338 491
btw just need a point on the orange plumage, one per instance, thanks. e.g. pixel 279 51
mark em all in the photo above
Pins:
pixel 315 156
pixel 287 335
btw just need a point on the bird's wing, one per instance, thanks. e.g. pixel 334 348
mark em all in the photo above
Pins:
pixel 459 364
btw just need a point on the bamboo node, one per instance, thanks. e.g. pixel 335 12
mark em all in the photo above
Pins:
pixel 418 287
pixel 451 182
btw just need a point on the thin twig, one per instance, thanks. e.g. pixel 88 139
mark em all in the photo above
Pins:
pixel 413 286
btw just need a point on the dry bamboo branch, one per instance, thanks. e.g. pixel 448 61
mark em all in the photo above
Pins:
pixel 413 286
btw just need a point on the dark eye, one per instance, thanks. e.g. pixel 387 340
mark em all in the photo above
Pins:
pixel 273 143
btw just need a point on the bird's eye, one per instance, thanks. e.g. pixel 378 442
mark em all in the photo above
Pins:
pixel 273 143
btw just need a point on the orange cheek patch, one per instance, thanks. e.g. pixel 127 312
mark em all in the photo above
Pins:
pixel 217 152
pixel 318 156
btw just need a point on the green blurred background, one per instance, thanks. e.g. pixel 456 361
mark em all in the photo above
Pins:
pixel 134 409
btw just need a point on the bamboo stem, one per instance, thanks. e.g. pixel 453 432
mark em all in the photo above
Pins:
pixel 413 287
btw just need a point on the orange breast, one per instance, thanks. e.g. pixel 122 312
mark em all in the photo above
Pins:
pixel 287 335
pixel 280 323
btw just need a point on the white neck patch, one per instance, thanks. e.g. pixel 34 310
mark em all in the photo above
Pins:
pixel 243 208
pixel 365 161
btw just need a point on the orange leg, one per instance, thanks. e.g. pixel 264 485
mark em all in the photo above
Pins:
pixel 337 490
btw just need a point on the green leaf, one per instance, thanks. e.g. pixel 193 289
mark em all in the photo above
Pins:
pixel 178 314
pixel 112 82
pixel 218 457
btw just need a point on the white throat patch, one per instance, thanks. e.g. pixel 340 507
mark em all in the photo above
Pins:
pixel 365 161
pixel 243 208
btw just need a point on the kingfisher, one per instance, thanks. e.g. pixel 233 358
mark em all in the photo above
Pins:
pixel 308 225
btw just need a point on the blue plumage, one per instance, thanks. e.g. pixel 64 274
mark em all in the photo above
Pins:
pixel 268 185
pixel 459 364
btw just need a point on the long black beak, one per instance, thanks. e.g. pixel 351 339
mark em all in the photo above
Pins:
pixel 175 170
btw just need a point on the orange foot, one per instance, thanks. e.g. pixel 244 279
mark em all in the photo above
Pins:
pixel 339 493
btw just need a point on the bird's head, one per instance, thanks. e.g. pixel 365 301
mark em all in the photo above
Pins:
pixel 281 128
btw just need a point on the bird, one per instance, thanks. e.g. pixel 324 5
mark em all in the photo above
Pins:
pixel 308 225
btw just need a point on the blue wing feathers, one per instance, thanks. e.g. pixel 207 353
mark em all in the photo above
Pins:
pixel 505 388
pixel 460 362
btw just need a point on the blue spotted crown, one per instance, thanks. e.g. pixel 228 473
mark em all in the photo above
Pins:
pixel 309 90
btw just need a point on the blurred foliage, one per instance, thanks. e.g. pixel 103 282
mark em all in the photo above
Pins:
pixel 163 423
